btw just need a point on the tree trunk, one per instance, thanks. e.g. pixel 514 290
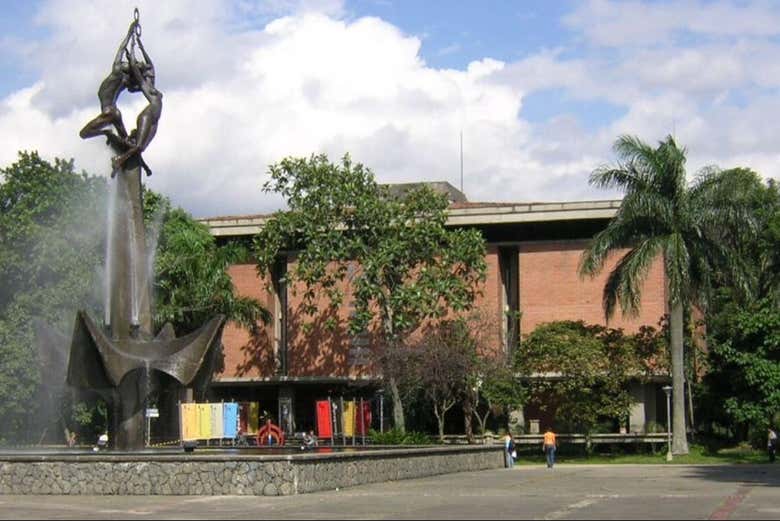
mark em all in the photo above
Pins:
pixel 398 406
pixel 692 377
pixel 468 424
pixel 679 439
pixel 690 410
pixel 439 420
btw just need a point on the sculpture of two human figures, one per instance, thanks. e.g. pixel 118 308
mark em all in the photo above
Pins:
pixel 134 75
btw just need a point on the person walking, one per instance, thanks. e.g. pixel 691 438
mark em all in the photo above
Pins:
pixel 549 446
pixel 510 452
pixel 771 444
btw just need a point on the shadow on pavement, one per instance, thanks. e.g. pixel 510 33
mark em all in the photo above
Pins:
pixel 757 475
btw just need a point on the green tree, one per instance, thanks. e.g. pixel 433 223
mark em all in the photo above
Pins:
pixel 757 254
pixel 724 378
pixel 745 352
pixel 492 387
pixel 50 267
pixel 443 357
pixel 581 371
pixel 191 278
pixel 495 389
pixel 407 266
pixel 662 216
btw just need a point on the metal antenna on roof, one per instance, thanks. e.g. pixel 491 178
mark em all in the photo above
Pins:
pixel 461 161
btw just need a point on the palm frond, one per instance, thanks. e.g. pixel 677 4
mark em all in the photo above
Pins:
pixel 648 211
pixel 615 236
pixel 670 178
pixel 625 281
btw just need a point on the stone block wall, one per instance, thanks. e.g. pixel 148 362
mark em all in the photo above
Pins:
pixel 234 475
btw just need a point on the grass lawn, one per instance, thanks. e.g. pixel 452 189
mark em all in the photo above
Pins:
pixel 698 455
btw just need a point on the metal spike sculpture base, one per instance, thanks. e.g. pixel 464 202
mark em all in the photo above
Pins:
pixel 119 359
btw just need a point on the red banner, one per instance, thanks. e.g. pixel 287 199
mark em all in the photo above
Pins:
pixel 324 427
pixel 364 426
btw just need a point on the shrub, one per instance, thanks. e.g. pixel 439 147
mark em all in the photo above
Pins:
pixel 397 437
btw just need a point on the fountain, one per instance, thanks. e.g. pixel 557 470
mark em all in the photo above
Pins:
pixel 120 358
pixel 123 361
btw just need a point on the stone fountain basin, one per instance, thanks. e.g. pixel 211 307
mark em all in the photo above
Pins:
pixel 231 471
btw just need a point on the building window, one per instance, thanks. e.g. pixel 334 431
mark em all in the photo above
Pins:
pixel 508 260
pixel 280 315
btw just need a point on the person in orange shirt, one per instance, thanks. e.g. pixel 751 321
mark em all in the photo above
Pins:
pixel 549 446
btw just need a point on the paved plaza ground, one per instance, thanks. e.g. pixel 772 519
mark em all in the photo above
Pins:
pixel 566 492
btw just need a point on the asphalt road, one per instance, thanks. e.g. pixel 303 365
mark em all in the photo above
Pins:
pixel 565 492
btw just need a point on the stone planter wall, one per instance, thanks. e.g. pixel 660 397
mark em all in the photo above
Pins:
pixel 233 475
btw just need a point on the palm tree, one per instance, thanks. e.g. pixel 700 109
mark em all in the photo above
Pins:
pixel 662 215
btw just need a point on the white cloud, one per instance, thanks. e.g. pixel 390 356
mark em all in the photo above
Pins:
pixel 614 23
pixel 236 102
pixel 706 71
pixel 248 83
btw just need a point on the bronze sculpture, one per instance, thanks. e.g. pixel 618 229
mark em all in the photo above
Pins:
pixel 124 360
pixel 146 124
pixel 112 86
pixel 134 76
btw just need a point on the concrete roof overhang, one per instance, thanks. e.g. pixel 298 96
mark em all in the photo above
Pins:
pixel 460 214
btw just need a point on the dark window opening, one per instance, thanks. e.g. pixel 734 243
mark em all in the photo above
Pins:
pixel 508 259
pixel 280 320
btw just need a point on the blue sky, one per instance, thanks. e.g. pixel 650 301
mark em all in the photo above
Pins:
pixel 16 24
pixel 456 33
pixel 540 90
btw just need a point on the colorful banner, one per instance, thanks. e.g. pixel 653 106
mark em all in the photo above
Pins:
pixel 248 417
pixel 324 427
pixel 190 429
pixel 217 429
pixel 230 420
pixel 204 421
pixel 362 429
pixel 253 418
pixel 243 417
pixel 348 419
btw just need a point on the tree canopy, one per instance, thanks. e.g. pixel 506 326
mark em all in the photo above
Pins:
pixel 737 392
pixel 688 227
pixel 404 265
pixel 50 265
pixel 744 347
pixel 191 278
pixel 52 250
pixel 583 371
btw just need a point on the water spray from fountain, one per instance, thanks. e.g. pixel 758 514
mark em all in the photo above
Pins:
pixel 122 358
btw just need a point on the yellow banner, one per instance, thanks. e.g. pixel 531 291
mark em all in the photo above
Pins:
pixel 349 418
pixel 190 429
pixel 204 421
pixel 253 417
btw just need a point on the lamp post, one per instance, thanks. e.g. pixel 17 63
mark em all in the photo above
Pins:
pixel 477 388
pixel 381 410
pixel 668 390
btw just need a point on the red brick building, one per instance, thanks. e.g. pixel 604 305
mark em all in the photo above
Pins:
pixel 533 251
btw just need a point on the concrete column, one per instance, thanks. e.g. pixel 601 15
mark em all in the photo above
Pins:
pixel 637 418
pixel 517 420
pixel 651 414
pixel 286 413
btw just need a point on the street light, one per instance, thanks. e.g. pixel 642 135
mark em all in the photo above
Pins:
pixel 381 393
pixel 668 390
